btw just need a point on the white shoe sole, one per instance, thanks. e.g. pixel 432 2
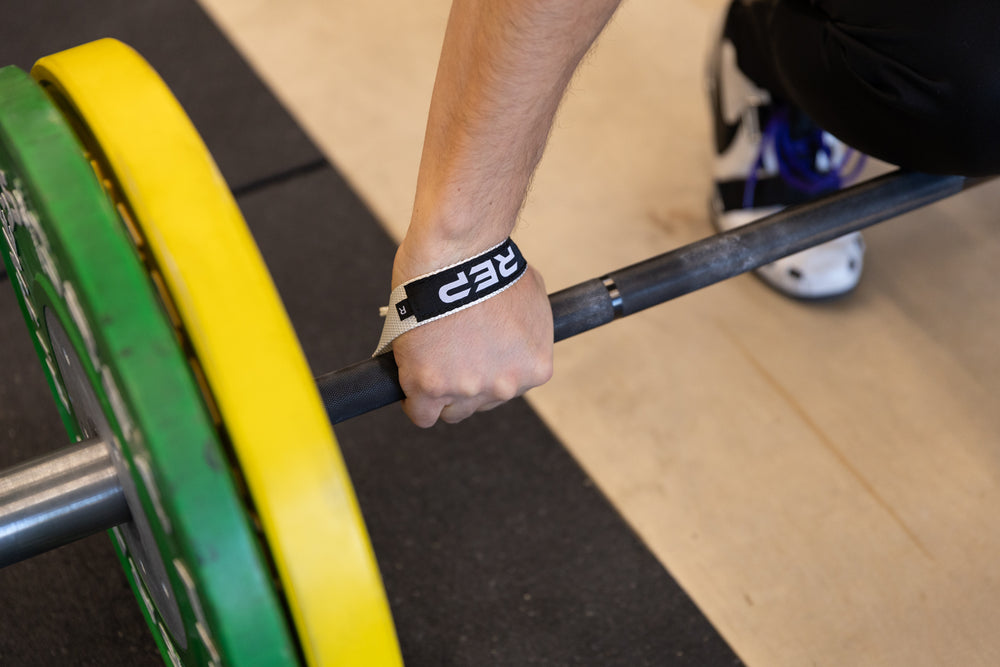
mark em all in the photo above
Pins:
pixel 825 271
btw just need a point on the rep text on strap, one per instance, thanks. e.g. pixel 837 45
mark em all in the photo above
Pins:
pixel 449 290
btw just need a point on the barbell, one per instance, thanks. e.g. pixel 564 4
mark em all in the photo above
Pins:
pixel 201 440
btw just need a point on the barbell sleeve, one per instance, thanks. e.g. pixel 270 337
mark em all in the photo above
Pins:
pixel 374 383
pixel 57 499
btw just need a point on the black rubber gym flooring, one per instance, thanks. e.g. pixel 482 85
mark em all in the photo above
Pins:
pixel 495 547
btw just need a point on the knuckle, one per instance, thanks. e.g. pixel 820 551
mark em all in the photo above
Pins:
pixel 425 381
pixel 544 371
pixel 467 386
pixel 504 389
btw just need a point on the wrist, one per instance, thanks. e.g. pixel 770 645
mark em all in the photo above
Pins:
pixel 450 289
pixel 429 247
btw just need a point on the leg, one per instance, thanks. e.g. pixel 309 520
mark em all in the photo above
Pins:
pixel 908 81
pixel 769 154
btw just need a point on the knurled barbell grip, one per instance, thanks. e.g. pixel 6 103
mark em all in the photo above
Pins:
pixel 374 383
pixel 360 388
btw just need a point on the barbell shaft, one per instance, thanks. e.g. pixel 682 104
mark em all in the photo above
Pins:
pixel 75 492
pixel 57 499
pixel 374 383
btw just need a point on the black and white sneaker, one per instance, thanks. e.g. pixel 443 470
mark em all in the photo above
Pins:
pixel 769 155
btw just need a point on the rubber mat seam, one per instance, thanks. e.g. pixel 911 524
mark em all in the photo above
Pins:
pixel 280 177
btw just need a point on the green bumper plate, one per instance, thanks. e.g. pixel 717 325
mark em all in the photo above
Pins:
pixel 117 371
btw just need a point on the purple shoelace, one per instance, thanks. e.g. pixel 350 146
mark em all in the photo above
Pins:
pixel 796 157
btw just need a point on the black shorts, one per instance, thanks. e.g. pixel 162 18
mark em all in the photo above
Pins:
pixel 912 82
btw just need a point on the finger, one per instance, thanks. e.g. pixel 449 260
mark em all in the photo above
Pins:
pixel 422 411
pixel 456 412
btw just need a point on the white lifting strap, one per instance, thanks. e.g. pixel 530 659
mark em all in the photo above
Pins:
pixel 449 290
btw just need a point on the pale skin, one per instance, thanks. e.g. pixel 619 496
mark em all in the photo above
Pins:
pixel 504 68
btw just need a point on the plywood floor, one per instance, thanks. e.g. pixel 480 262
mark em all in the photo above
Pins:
pixel 822 479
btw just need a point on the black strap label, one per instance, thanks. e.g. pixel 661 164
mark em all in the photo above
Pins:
pixel 463 284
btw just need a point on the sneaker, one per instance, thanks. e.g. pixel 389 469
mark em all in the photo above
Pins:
pixel 770 155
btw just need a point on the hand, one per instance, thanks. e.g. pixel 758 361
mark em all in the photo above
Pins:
pixel 477 358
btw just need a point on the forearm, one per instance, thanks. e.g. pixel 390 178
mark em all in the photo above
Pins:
pixel 504 68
